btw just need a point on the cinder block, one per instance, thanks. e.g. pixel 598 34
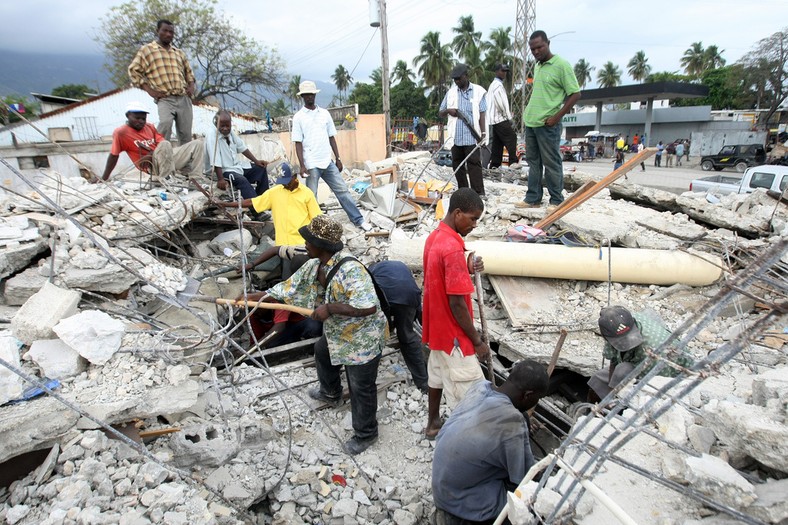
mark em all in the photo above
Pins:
pixel 42 312
pixel 56 358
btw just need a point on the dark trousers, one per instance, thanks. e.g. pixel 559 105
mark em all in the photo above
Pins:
pixel 410 342
pixel 446 518
pixel 255 175
pixel 471 169
pixel 658 160
pixel 297 331
pixel 503 134
pixel 361 382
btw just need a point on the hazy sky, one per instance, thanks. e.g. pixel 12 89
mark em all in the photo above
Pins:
pixel 314 37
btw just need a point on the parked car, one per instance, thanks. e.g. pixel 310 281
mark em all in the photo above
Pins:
pixel 443 158
pixel 568 150
pixel 740 157
pixel 769 177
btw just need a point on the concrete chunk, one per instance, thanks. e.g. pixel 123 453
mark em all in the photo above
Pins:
pixel 42 312
pixel 11 385
pixel 110 279
pixel 95 335
pixel 714 477
pixel 56 358
pixel 23 286
pixel 231 240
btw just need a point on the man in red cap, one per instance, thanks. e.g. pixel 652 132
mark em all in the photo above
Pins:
pixel 628 340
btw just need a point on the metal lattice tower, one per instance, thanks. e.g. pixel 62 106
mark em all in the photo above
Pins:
pixel 523 66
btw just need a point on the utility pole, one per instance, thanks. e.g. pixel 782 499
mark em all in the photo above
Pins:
pixel 384 56
pixel 524 63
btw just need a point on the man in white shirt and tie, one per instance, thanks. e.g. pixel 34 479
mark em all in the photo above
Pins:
pixel 499 117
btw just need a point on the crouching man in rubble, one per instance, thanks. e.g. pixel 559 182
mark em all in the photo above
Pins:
pixel 483 450
pixel 342 293
pixel 148 149
pixel 628 340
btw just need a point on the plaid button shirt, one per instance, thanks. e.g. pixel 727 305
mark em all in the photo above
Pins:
pixel 163 69
pixel 463 135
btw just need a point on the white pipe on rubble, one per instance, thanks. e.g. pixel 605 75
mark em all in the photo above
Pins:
pixel 628 265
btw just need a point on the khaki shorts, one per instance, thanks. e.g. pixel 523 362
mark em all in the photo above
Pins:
pixel 453 373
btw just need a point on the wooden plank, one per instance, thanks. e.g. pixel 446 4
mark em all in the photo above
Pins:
pixel 523 298
pixel 606 181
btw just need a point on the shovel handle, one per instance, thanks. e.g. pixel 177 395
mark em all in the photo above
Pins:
pixel 306 312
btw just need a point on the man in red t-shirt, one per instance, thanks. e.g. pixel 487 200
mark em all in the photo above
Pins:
pixel 148 150
pixel 448 329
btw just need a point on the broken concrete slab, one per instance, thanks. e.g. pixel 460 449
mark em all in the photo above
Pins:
pixel 94 334
pixel 38 316
pixel 22 286
pixel 772 504
pixel 17 256
pixel 56 359
pixel 202 443
pixel 112 278
pixel 33 425
pixel 232 241
pixel 715 478
pixel 11 385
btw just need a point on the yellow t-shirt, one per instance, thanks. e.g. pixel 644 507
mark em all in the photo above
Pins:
pixel 291 210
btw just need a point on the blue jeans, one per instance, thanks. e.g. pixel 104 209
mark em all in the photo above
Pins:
pixel 330 174
pixel 361 382
pixel 255 175
pixel 542 153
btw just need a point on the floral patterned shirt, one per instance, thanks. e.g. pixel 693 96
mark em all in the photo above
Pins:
pixel 351 340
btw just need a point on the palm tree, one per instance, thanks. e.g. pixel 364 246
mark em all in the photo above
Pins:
pixel 498 49
pixel 712 58
pixel 583 72
pixel 467 41
pixel 609 75
pixel 401 72
pixel 342 80
pixel 292 90
pixel 434 62
pixel 638 67
pixel 694 59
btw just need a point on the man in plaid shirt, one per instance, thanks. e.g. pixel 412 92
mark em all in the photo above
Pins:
pixel 163 71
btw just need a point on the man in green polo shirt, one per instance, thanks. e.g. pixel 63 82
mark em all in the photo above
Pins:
pixel 555 91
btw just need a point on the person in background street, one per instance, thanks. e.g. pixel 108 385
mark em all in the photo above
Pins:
pixel 679 152
pixel 670 151
pixel 636 141
pixel 628 339
pixel 468 100
pixel 456 347
pixel 641 147
pixel 221 151
pixel 314 137
pixel 619 161
pixel 163 72
pixel 404 297
pixel 555 92
pixel 658 154
pixel 149 150
pixel 353 325
pixel 483 450
pixel 500 120
pixel 687 149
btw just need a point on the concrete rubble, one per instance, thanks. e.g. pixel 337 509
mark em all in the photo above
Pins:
pixel 90 314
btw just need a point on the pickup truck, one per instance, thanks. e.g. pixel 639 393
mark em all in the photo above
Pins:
pixel 740 157
pixel 769 177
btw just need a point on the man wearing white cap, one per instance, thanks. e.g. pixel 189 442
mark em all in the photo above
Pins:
pixel 148 150
pixel 314 136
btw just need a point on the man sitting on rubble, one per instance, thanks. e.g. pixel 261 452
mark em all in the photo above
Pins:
pixel 221 151
pixel 456 347
pixel 148 149
pixel 343 296
pixel 629 338
pixel 483 449
pixel 404 298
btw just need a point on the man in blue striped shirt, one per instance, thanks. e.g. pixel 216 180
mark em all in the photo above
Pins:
pixel 469 100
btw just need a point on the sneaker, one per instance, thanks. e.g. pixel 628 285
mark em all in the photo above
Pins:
pixel 523 204
pixel 316 393
pixel 355 445
pixel 367 227
pixel 551 208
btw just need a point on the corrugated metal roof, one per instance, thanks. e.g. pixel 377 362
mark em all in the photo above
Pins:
pixel 97 117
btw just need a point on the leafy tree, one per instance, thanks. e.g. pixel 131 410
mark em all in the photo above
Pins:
pixel 467 40
pixel 712 58
pixel 434 63
pixel 767 72
pixel 499 49
pixel 408 100
pixel 583 72
pixel 725 87
pixel 292 91
pixel 609 75
pixel 342 80
pixel 228 63
pixel 667 76
pixel 277 108
pixel 638 67
pixel 77 91
pixel 401 72
pixel 369 97
pixel 694 60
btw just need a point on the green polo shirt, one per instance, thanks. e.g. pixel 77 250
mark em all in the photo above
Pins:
pixel 554 80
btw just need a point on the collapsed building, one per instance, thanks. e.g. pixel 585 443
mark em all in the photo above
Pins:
pixel 130 396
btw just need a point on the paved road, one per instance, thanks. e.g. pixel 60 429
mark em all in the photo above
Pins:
pixel 675 179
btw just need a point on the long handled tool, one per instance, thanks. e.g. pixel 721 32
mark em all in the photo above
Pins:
pixel 480 300
pixel 306 312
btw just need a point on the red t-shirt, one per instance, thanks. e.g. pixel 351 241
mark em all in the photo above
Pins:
pixel 134 143
pixel 445 273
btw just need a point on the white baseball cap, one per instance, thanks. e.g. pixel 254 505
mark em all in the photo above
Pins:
pixel 136 107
